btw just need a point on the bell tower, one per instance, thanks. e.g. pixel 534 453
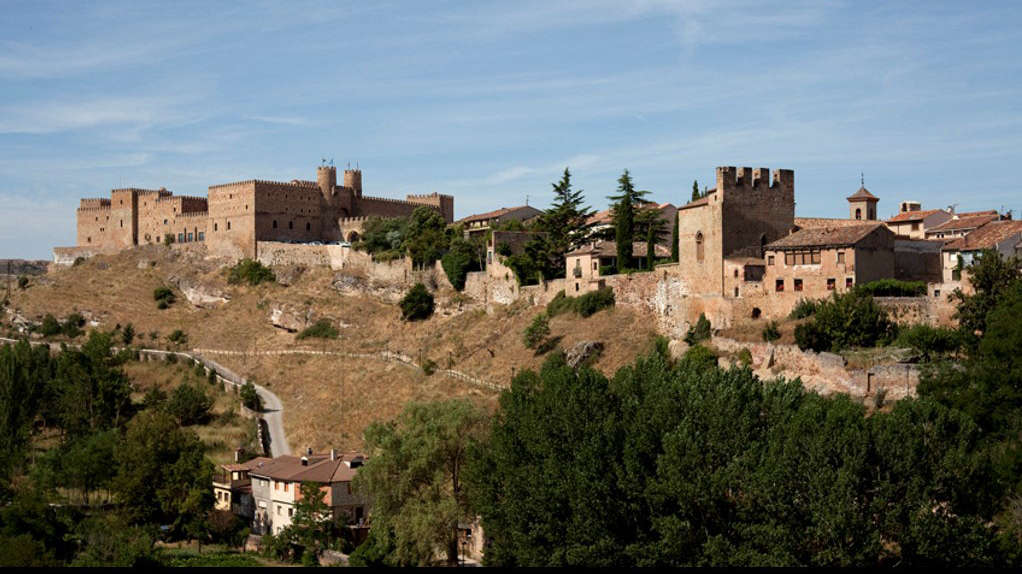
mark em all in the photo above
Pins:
pixel 862 204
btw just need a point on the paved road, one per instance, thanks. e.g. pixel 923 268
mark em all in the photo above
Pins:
pixel 273 409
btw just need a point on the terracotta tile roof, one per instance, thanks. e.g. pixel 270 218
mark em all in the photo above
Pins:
pixel 609 249
pixel 974 213
pixel 497 213
pixel 907 216
pixel 247 465
pixel 965 222
pixel 825 236
pixel 320 468
pixel 807 222
pixel 863 193
pixel 986 237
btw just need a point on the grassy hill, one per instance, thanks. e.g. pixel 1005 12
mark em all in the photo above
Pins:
pixel 328 400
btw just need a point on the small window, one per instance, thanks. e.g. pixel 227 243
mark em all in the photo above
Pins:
pixel 770 259
pixel 936 292
pixel 831 284
pixel 164 221
pixel 915 226
pixel 816 257
pixel 848 282
pixel 290 224
pixel 228 226
pixel 596 265
pixel 779 285
pixel 180 237
pixel 122 223
pixel 191 237
pixel 736 291
pixel 840 256
pixel 290 511
pixel 699 246
pixel 308 226
pixel 285 486
pixel 88 240
pixel 736 274
pixel 274 223
pixel 858 213
pixel 202 236
pixel 789 258
pixel 956 274
pixel 798 285
pixel 215 226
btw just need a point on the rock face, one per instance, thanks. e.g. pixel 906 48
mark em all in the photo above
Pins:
pixel 582 352
pixel 204 296
pixel 354 285
pixel 288 274
pixel 291 319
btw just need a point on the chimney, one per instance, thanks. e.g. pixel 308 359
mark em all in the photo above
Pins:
pixel 333 454
pixel 308 451
pixel 305 461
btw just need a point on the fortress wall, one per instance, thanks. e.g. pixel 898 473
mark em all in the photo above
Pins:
pixel 382 207
pixel 755 211
pixel 231 227
pixel 915 310
pixel 66 256
pixel 92 224
pixel 272 253
pixel 288 212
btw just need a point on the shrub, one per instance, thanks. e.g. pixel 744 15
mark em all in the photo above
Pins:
pixel 22 282
pixel 154 398
pixel 591 302
pixel 771 332
pixel 78 261
pixel 561 303
pixel 930 341
pixel 178 337
pixel 128 334
pixel 417 304
pixel 804 308
pixel 322 329
pixel 701 331
pixel 852 319
pixel 429 367
pixel 892 288
pixel 50 326
pixel 608 270
pixel 503 249
pixel 249 271
pixel 698 358
pixel 458 261
pixel 164 297
pixel 189 404
pixel 250 397
pixel 538 331
pixel 745 357
pixel 73 325
pixel 168 238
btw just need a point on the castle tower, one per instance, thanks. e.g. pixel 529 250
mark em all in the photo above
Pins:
pixel 862 204
pixel 353 180
pixel 326 177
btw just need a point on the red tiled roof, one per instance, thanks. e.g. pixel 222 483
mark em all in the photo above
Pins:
pixel 907 216
pixel 498 213
pixel 609 249
pixel 965 222
pixel 701 201
pixel 808 222
pixel 986 236
pixel 863 193
pixel 319 469
pixel 826 236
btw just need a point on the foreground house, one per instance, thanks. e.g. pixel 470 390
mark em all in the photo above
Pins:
pixel 480 223
pixel 584 263
pixel 1003 236
pixel 232 486
pixel 913 221
pixel 276 488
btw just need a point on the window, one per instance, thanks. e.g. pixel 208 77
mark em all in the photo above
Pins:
pixel 736 274
pixel 798 285
pixel 770 259
pixel 216 226
pixel 228 226
pixel 596 265
pixel 180 237
pixel 699 246
pixel 915 226
pixel 88 240
pixel 779 285
pixel 290 224
pixel 848 282
pixel 858 213
pixel 285 486
pixel 308 226
pixel 274 223
pixel 831 284
pixel 736 291
pixel 840 256
pixel 816 257
pixel 164 221
pixel 276 485
pixel 956 274
pixel 290 511
pixel 191 237
pixel 122 223
pixel 202 236
pixel 789 258
pixel 279 510
pixel 936 292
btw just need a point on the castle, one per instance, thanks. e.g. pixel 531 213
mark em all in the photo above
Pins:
pixel 236 216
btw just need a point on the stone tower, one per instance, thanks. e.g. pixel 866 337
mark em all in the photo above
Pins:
pixel 326 177
pixel 353 181
pixel 862 205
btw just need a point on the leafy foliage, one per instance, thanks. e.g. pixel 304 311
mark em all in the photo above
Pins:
pixel 383 238
pixel 189 404
pixel 250 397
pixel 566 221
pixel 50 326
pixel 893 288
pixel 251 272
pixel 164 297
pixel 700 331
pixel 585 305
pixel 805 308
pixel 178 337
pixel 417 304
pixel 321 329
pixel 930 342
pixel 990 275
pixel 623 214
pixel 537 331
pixel 851 319
pixel 415 478
pixel 461 258
pixel 425 239
pixel 771 332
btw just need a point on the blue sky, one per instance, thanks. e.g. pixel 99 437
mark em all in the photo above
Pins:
pixel 490 101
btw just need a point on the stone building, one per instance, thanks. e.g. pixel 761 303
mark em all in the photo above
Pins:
pixel 232 486
pixel 912 220
pixel 583 264
pixel 480 223
pixel 961 224
pixel 736 219
pixel 236 216
pixel 1003 236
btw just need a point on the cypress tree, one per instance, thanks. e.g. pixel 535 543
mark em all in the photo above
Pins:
pixel 624 218
pixel 695 190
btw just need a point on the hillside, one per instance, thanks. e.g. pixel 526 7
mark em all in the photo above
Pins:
pixel 328 399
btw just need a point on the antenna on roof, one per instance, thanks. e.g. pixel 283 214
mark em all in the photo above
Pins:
pixel 862 179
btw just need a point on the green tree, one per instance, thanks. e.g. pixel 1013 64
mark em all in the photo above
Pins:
pixel 537 331
pixel 249 271
pixel 50 326
pixel 695 190
pixel 461 258
pixel 128 334
pixel 425 240
pixel 652 227
pixel 107 540
pixel 384 237
pixel 415 476
pixel 250 397
pixel 82 465
pixel 89 390
pixel 162 475
pixel 417 304
pixel 566 221
pixel 24 377
pixel 190 404
pixel 623 213
pixel 990 275
pixel 851 319
pixel 312 527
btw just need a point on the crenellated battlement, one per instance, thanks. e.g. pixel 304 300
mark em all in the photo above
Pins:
pixel 730 178
pixel 94 203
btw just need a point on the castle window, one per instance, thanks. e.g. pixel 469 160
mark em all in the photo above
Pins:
pixel 789 258
pixel 215 227
pixel 228 226
pixel 816 257
pixel 798 285
pixel 290 224
pixel 191 237
pixel 202 236
pixel 858 213
pixel 779 285
pixel 736 291
pixel 736 274
pixel 274 223
pixel 308 226
pixel 840 256
pixel 915 226
pixel 88 240
pixel 122 223
pixel 770 259
pixel 848 282
pixel 936 292
pixel 831 284
pixel 180 237
pixel 699 246
pixel 164 221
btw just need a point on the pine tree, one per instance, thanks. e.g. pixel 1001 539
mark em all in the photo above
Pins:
pixel 567 219
pixel 624 218
pixel 695 190
pixel 652 228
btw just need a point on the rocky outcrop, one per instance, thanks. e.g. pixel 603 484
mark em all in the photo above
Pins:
pixel 288 274
pixel 292 319
pixel 582 352
pixel 199 294
pixel 354 285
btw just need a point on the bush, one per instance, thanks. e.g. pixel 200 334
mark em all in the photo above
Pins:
pixel 322 329
pixel 701 331
pixel 417 304
pixel 250 397
pixel 537 332
pixel 745 357
pixel 594 301
pixel 50 326
pixel 503 248
pixel 771 332
pixel 22 282
pixel 852 319
pixel 608 270
pixel 429 367
pixel 178 337
pixel 929 341
pixel 73 325
pixel 251 272
pixel 561 303
pixel 189 404
pixel 458 261
pixel 698 358
pixel 892 288
pixel 164 297
pixel 154 398
pixel 128 334
pixel 804 308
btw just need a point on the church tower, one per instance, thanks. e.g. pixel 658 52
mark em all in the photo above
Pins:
pixel 862 204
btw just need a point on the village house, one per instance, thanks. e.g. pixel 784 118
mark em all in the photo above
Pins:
pixel 232 486
pixel 961 224
pixel 812 263
pixel 276 488
pixel 913 221
pixel 588 262
pixel 602 222
pixel 478 224
pixel 1003 236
